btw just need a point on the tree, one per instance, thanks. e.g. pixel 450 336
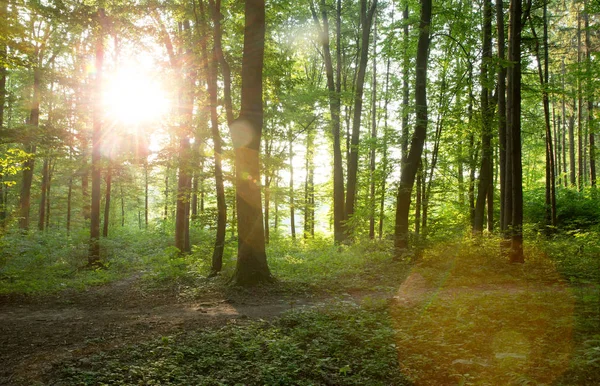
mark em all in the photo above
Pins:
pixel 366 20
pixel 485 187
pixel 411 164
pixel 246 130
pixel 334 89
pixel 513 112
pixel 94 254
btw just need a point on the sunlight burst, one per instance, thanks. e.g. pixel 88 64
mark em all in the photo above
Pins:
pixel 133 97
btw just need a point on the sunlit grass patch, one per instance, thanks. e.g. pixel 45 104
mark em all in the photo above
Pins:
pixel 466 316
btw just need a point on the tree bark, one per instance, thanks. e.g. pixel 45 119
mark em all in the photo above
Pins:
pixel 291 185
pixel 211 70
pixel 334 88
pixel 486 170
pixel 366 17
pixel 550 196
pixel 372 157
pixel 94 253
pixel 107 197
pixel 409 168
pixel 29 165
pixel 502 112
pixel 43 192
pixel 590 98
pixel 514 127
pixel 246 131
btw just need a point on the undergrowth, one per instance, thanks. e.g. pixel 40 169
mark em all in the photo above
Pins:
pixel 342 345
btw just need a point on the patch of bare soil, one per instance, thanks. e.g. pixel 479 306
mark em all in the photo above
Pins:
pixel 37 333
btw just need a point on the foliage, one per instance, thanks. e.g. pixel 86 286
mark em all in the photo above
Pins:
pixel 575 210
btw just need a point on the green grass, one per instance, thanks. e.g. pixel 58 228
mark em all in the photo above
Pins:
pixel 472 319
pixel 343 345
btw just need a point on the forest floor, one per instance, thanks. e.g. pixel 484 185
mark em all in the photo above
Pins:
pixel 37 332
pixel 459 316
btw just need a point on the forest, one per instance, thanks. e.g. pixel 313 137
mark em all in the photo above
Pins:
pixel 313 192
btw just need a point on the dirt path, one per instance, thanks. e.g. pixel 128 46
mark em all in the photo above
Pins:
pixel 36 333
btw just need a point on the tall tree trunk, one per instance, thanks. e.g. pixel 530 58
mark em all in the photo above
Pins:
pixel 564 125
pixel 502 112
pixel 366 16
pixel 246 131
pixel 309 188
pixel 572 169
pixel 48 186
pixel 107 197
pixel 166 206
pixel 514 127
pixel 291 185
pixel 29 165
pixel 372 199
pixel 487 168
pixel 86 208
pixel 405 87
pixel 3 73
pixel 409 168
pixel 557 145
pixel 418 200
pixel 590 98
pixel 122 204
pixel 543 77
pixel 43 192
pixel 146 194
pixel 334 88
pixel 385 161
pixel 212 70
pixel 69 201
pixel 184 180
pixel 94 253
pixel 580 150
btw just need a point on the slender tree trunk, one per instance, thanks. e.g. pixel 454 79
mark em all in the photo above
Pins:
pixel 43 192
pixel 502 113
pixel 590 99
pixel 544 78
pixel 557 145
pixel 580 150
pixel 372 199
pixel 409 168
pixel 418 200
pixel 572 168
pixel 211 70
pixel 85 193
pixel 487 167
pixel 122 204
pixel 94 255
pixel 29 164
pixel 309 188
pixel 146 194
pixel 405 87
pixel 246 131
pixel 166 207
pixel 3 74
pixel 385 161
pixel 291 185
pixel 564 127
pixel 366 16
pixel 69 201
pixel 48 186
pixel 334 88
pixel 514 126
pixel 107 197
